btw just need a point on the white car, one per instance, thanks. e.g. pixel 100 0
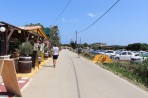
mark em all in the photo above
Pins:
pixel 138 59
pixel 126 55
pixel 110 53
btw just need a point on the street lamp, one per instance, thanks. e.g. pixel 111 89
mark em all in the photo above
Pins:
pixel 19 31
pixel 2 29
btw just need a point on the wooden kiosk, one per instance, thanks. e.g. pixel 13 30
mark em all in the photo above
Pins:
pixel 7 66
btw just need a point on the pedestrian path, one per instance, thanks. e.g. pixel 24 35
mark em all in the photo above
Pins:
pixel 52 82
pixel 76 77
pixel 23 80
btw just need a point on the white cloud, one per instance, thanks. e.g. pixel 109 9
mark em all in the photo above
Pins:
pixel 91 15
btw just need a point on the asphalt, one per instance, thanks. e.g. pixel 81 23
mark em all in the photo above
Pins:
pixel 76 77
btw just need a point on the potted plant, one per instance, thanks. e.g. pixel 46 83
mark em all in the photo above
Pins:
pixel 26 49
pixel 46 54
pixel 16 53
pixel 14 47
pixel 46 49
pixel 25 59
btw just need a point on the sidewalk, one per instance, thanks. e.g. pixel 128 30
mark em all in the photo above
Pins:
pixel 23 80
pixel 49 82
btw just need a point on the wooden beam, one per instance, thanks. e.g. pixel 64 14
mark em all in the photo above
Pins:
pixel 28 35
pixel 7 38
pixel 10 25
pixel 10 34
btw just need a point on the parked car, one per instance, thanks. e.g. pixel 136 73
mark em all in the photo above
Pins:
pixel 119 51
pixel 90 50
pixel 145 54
pixel 110 53
pixel 137 59
pixel 142 52
pixel 101 52
pixel 95 52
pixel 126 55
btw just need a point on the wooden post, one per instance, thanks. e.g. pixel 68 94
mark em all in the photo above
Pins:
pixel 35 59
pixel 7 40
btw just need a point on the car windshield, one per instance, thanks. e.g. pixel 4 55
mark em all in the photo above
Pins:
pixel 145 54
pixel 137 55
pixel 109 52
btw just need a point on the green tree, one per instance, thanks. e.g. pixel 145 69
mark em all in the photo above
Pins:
pixel 36 24
pixel 144 46
pixel 95 46
pixel 54 35
pixel 47 31
pixel 86 45
pixel 72 44
pixel 137 46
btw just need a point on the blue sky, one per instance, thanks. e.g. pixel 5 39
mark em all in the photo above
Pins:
pixel 126 23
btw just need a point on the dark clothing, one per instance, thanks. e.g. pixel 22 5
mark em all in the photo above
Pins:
pixel 79 50
pixel 55 57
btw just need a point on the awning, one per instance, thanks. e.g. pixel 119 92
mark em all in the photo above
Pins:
pixel 30 29
pixel 35 29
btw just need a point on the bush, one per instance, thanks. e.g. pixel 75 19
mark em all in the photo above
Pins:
pixel 142 72
pixel 14 46
pixel 135 72
pixel 46 49
pixel 26 48
pixel 40 53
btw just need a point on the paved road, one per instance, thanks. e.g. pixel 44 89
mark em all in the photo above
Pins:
pixel 76 77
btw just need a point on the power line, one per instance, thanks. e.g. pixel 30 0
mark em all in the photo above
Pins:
pixel 62 11
pixel 99 17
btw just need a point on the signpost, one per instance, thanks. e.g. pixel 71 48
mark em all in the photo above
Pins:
pixel 8 73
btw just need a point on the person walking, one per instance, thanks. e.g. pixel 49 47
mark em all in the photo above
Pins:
pixel 55 54
pixel 79 51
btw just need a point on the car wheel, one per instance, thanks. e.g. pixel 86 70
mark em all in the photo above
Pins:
pixel 117 58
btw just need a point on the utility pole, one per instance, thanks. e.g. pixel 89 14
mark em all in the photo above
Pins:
pixel 76 43
pixel 76 39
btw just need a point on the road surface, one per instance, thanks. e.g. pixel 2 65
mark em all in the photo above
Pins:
pixel 76 77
